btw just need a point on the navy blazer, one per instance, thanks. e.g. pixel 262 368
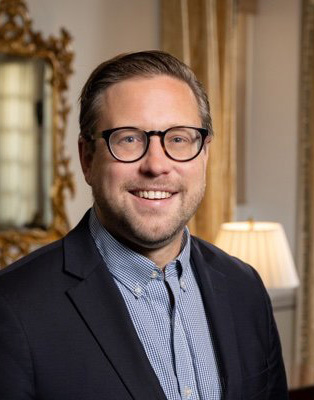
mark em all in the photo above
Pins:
pixel 65 332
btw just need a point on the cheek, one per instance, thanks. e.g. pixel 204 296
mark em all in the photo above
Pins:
pixel 98 174
pixel 203 170
pixel 195 175
pixel 108 177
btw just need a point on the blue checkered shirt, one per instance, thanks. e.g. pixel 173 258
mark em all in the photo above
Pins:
pixel 168 314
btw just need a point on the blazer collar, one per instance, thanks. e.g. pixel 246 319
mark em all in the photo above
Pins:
pixel 99 303
pixel 213 285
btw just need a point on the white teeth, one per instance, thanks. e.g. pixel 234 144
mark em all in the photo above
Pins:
pixel 153 194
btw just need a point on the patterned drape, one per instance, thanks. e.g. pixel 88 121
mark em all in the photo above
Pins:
pixel 202 34
pixel 304 356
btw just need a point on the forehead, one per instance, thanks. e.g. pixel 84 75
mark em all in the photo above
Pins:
pixel 146 99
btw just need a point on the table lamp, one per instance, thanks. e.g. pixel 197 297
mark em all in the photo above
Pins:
pixel 264 246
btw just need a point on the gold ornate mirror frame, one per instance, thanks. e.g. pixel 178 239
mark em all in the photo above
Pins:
pixel 18 39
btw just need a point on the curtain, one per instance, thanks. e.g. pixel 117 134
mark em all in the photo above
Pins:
pixel 304 355
pixel 202 34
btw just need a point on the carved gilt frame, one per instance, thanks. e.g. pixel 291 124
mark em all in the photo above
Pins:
pixel 18 38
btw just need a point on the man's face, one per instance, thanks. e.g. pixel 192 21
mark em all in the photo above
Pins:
pixel 121 190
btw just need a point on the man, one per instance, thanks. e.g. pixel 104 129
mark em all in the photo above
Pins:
pixel 128 305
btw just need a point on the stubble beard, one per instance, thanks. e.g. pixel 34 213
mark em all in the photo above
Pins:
pixel 127 227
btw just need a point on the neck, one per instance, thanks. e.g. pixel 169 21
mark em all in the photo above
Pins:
pixel 162 256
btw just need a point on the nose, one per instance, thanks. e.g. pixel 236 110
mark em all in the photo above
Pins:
pixel 155 162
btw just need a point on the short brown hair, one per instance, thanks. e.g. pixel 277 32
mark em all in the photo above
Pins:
pixel 140 64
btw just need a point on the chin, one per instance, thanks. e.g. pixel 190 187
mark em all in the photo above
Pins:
pixel 154 238
pixel 150 232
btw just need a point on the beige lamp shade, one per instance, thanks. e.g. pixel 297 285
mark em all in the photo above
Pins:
pixel 264 246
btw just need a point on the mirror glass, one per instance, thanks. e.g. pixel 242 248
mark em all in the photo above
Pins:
pixel 34 167
pixel 26 148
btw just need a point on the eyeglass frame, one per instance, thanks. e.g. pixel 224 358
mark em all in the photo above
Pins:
pixel 105 134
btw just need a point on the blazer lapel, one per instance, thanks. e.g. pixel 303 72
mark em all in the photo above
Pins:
pixel 100 304
pixel 214 290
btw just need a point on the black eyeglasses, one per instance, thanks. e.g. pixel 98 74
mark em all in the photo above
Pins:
pixel 129 144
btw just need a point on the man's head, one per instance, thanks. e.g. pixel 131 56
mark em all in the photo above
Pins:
pixel 134 65
pixel 145 203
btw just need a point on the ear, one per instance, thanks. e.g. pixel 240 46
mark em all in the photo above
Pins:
pixel 86 158
pixel 206 147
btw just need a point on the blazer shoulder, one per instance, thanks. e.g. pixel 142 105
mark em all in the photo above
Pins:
pixel 21 272
pixel 46 266
pixel 230 266
pixel 242 282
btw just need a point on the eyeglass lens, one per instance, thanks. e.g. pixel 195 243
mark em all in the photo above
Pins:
pixel 180 143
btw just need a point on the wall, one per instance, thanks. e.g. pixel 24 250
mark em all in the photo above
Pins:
pixel 272 126
pixel 100 30
pixel 271 159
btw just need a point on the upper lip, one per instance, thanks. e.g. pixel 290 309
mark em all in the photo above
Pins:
pixel 153 190
pixel 153 194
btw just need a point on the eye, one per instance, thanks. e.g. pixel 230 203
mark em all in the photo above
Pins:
pixel 129 139
pixel 125 137
pixel 178 139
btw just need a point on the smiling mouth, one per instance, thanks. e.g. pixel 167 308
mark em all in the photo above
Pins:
pixel 152 194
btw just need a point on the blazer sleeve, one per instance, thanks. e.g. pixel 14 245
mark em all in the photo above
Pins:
pixel 16 369
pixel 277 382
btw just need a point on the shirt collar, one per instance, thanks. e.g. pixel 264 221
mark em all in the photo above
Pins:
pixel 132 269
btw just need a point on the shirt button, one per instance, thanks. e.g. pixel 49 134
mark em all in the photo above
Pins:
pixel 137 290
pixel 154 274
pixel 182 284
pixel 187 392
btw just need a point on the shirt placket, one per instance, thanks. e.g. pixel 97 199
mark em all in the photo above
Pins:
pixel 182 357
